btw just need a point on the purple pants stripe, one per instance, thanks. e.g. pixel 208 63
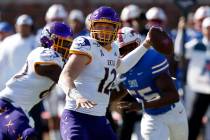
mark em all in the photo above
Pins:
pixel 79 126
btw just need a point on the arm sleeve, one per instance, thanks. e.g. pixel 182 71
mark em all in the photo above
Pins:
pixel 190 47
pixel 131 59
pixel 178 43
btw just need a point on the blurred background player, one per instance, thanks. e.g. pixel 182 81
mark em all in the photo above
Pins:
pixel 134 17
pixel 34 82
pixel 15 48
pixel 55 12
pixel 156 17
pixel 93 65
pixel 76 20
pixel 195 30
pixel 184 54
pixel 200 13
pixel 198 78
pixel 150 83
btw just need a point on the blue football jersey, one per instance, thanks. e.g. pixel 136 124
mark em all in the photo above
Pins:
pixel 140 79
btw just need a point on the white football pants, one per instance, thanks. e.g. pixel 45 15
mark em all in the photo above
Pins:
pixel 172 125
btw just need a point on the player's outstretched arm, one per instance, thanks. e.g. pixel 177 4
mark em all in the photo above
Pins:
pixel 48 69
pixel 131 59
pixel 157 38
pixel 71 71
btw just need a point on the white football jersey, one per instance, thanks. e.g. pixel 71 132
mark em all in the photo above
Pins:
pixel 95 80
pixel 198 74
pixel 27 88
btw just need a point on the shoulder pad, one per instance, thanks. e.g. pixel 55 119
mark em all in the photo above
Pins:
pixel 49 54
pixel 81 43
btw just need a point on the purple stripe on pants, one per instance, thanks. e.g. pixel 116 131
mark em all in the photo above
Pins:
pixel 79 126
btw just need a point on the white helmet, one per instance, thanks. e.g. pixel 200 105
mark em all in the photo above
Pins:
pixel 156 13
pixel 56 11
pixel 127 35
pixel 77 14
pixel 130 12
pixel 202 12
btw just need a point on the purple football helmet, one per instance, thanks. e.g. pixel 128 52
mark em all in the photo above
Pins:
pixel 108 15
pixel 59 36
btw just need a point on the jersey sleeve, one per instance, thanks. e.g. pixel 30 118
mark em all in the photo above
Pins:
pixel 159 65
pixel 45 56
pixel 81 46
pixel 189 48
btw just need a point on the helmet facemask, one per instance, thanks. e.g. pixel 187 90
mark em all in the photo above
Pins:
pixel 62 45
pixel 58 36
pixel 104 36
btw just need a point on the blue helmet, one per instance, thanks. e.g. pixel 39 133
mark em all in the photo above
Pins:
pixel 108 15
pixel 59 36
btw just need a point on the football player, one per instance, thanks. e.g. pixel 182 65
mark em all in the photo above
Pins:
pixel 34 81
pixel 150 83
pixel 88 74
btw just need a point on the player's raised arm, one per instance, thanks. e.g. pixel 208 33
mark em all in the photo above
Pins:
pixel 130 60
pixel 156 38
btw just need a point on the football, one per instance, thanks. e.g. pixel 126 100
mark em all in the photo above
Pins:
pixel 161 41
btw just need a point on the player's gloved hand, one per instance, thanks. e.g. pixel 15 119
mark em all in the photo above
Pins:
pixel 84 103
pixel 129 106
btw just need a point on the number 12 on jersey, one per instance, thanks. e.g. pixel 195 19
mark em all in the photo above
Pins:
pixel 104 88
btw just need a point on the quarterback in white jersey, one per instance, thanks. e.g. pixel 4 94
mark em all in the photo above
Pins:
pixel 98 75
pixel 35 80
pixel 88 74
